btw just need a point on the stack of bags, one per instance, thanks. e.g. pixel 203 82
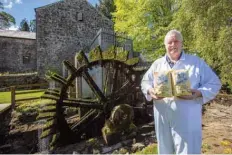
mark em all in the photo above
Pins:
pixel 172 83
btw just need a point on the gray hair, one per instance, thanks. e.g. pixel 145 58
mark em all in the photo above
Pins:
pixel 174 32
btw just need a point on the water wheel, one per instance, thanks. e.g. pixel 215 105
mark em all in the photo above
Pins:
pixel 120 85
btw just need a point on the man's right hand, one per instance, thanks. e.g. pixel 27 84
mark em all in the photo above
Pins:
pixel 151 92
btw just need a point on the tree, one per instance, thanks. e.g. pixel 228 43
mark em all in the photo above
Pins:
pixel 144 21
pixel 33 25
pixel 205 25
pixel 107 7
pixel 24 26
pixel 6 20
pixel 1 5
pixel 207 32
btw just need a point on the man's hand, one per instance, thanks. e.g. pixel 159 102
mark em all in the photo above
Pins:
pixel 195 94
pixel 151 92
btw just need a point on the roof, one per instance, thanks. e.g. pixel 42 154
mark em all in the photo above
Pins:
pixel 17 34
pixel 60 1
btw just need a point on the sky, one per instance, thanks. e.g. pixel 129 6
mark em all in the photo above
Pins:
pixel 21 9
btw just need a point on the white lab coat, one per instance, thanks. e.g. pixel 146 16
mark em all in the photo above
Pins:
pixel 178 122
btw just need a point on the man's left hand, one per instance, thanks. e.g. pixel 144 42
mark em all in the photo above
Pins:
pixel 195 94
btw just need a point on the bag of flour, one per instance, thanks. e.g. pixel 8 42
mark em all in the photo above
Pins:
pixel 162 84
pixel 181 82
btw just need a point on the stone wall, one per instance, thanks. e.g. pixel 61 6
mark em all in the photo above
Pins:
pixel 20 79
pixel 17 55
pixel 64 28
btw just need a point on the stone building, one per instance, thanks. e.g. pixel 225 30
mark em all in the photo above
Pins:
pixel 17 51
pixel 64 28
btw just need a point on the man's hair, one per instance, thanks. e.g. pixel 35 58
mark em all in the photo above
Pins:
pixel 174 32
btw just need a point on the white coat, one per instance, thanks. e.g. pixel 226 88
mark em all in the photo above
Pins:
pixel 178 122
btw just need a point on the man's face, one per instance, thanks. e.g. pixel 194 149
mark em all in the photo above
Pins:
pixel 173 47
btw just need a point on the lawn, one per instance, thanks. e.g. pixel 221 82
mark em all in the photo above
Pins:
pixel 5 97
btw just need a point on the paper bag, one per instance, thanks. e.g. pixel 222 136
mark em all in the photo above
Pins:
pixel 181 83
pixel 162 84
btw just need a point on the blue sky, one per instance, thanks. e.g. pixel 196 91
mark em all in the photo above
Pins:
pixel 21 9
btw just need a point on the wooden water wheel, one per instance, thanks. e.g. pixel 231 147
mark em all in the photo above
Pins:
pixel 120 85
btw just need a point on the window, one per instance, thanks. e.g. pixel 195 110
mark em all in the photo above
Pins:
pixel 80 16
pixel 27 58
pixel 4 45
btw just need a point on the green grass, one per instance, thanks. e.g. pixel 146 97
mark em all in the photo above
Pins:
pixel 5 97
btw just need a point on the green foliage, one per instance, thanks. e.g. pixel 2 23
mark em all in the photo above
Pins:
pixel 145 21
pixel 206 31
pixel 24 26
pixel 224 44
pixel 108 128
pixel 106 7
pixel 46 133
pixel 5 97
pixel 32 25
pixel 6 20
pixel 109 54
pixel 50 123
pixel 46 115
pixel 132 61
pixel 1 5
pixel 205 25
pixel 53 141
pixel 49 71
pixel 95 54
pixel 49 128
pixel 29 106
pixel 121 55
pixel 150 149
pixel 123 151
pixel 119 124
pixel 81 58
pixel 51 108
pixel 205 147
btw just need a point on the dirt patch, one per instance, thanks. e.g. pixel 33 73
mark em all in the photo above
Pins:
pixel 217 127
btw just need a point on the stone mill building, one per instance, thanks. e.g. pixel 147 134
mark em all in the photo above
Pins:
pixel 17 51
pixel 62 29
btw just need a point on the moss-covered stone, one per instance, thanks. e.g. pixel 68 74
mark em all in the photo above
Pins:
pixel 119 124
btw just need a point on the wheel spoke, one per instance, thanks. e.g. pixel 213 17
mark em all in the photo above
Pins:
pixel 120 95
pixel 82 104
pixel 114 79
pixel 107 79
pixel 92 101
pixel 86 120
pixel 124 87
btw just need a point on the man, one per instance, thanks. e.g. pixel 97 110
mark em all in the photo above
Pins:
pixel 178 121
